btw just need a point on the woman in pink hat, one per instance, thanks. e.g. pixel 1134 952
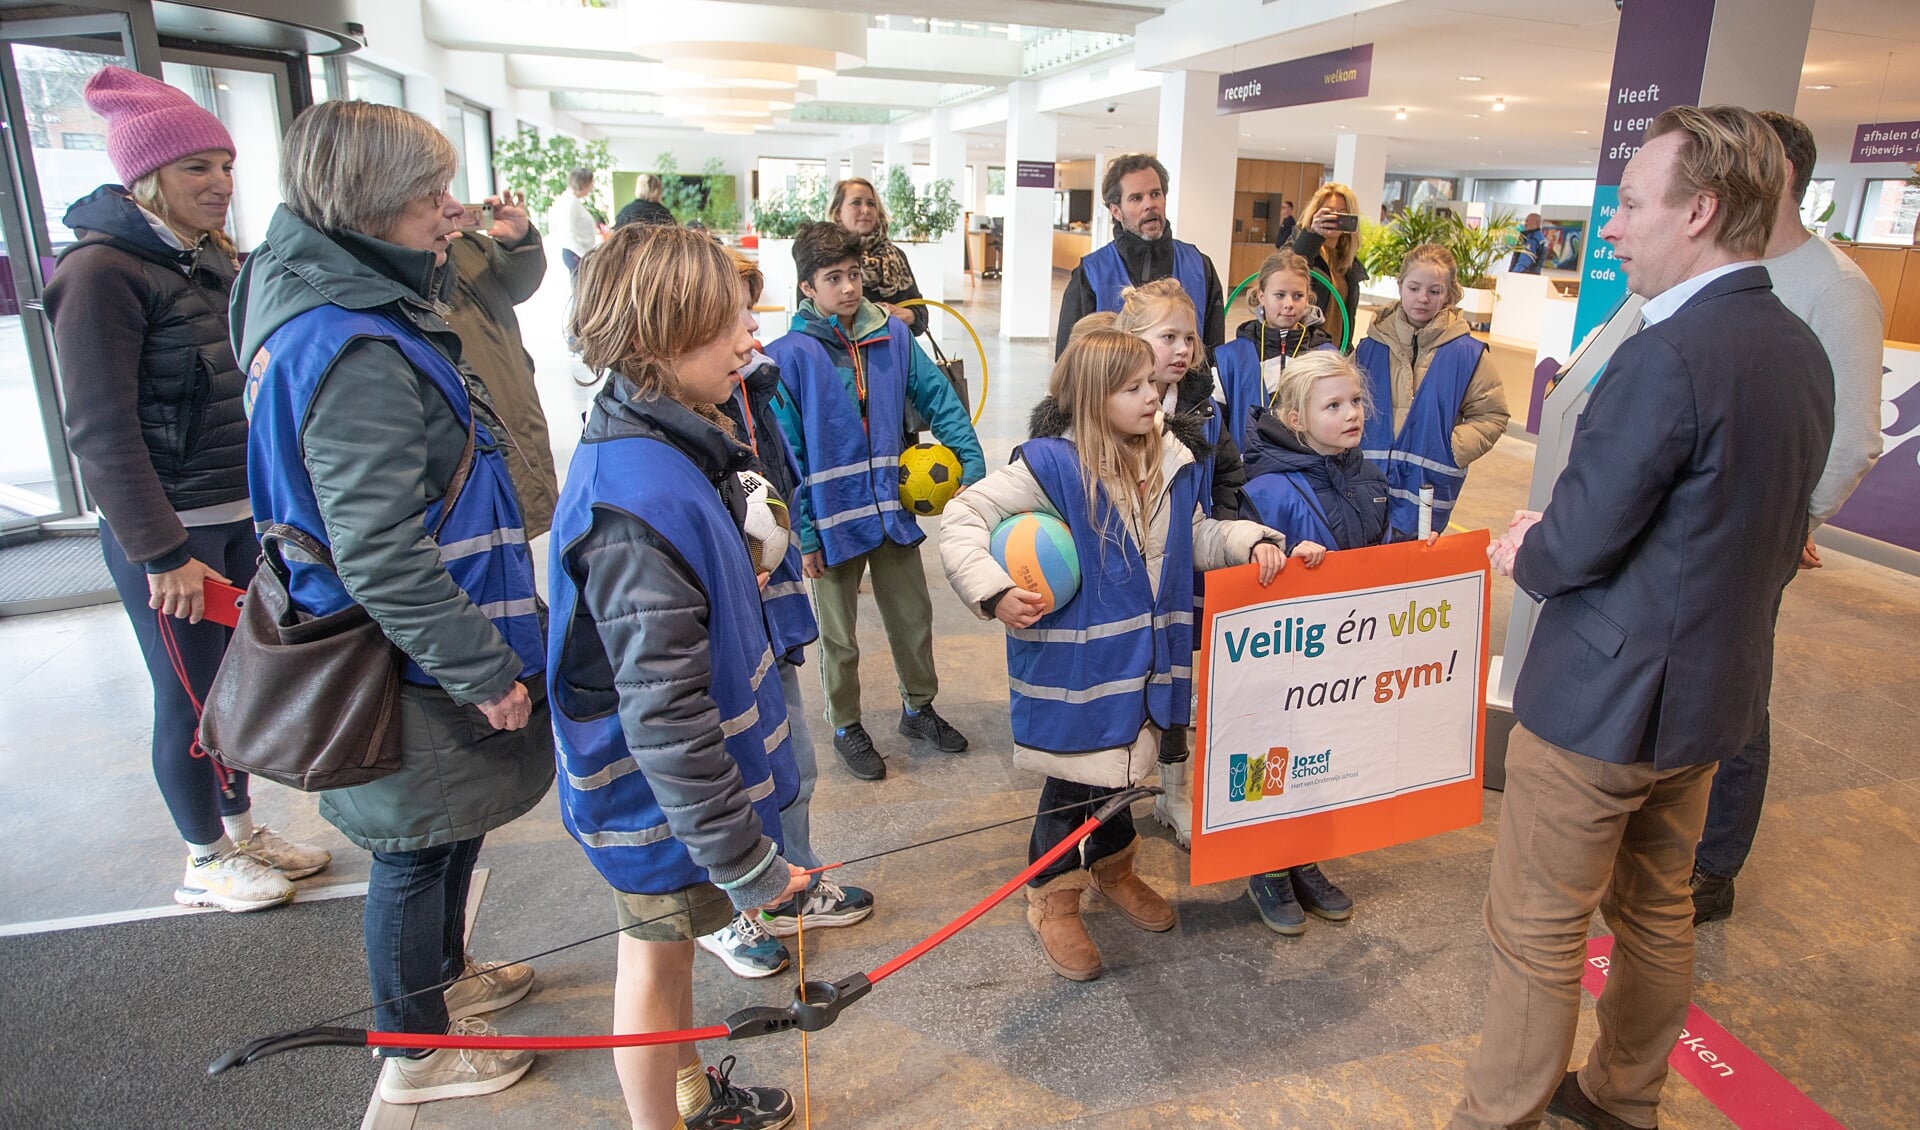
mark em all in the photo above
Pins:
pixel 155 416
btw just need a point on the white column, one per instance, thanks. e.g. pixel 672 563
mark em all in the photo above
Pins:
pixel 979 201
pixel 947 156
pixel 1200 149
pixel 1360 163
pixel 1102 219
pixel 894 151
pixel 1026 288
pixel 860 160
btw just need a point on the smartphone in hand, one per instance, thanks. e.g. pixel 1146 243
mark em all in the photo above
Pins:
pixel 477 217
pixel 223 603
pixel 1349 221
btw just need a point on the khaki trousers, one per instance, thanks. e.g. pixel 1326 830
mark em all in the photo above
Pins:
pixel 1576 834
pixel 906 611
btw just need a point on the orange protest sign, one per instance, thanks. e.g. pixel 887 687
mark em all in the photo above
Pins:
pixel 1343 708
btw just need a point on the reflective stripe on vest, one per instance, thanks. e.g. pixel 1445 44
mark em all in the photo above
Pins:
pixel 605 802
pixel 1422 453
pixel 852 480
pixel 482 545
pixel 1088 675
pixel 1106 275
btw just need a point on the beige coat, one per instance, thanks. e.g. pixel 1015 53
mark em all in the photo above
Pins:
pixel 966 529
pixel 1483 412
pixel 489 280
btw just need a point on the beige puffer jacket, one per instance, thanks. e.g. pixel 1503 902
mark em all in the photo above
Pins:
pixel 966 529
pixel 1483 412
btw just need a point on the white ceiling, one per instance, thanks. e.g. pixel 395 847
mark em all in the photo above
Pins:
pixel 1549 59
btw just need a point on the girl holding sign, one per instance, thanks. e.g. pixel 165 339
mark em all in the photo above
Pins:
pixel 1161 314
pixel 1440 405
pixel 1307 478
pixel 1285 325
pixel 1093 682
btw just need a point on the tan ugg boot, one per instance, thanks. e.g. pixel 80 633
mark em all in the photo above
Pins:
pixel 1129 894
pixel 1053 910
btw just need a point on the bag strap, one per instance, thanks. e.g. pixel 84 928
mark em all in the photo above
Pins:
pixel 459 481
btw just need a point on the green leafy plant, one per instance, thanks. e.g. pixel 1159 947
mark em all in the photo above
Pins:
pixel 540 168
pixel 782 213
pixel 919 217
pixel 1476 250
pixel 722 209
pixel 1408 230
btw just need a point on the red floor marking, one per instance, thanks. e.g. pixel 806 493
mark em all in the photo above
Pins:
pixel 1751 1094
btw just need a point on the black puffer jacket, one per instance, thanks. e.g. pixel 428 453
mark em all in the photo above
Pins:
pixel 153 393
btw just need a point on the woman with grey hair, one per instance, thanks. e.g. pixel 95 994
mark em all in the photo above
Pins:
pixel 366 437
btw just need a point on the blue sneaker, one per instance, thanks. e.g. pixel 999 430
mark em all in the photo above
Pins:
pixel 1317 893
pixel 827 904
pixel 746 947
pixel 1272 895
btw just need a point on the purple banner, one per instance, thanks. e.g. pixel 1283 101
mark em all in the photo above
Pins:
pixel 1879 142
pixel 1657 62
pixel 1033 174
pixel 1298 82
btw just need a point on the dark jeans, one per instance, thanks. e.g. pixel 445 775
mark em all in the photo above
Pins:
pixel 416 931
pixel 1739 791
pixel 1108 839
pixel 573 263
pixel 190 785
pixel 1733 807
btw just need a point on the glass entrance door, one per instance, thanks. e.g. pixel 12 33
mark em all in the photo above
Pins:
pixel 54 153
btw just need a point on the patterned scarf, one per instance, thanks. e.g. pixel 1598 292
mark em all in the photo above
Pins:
pixel 883 267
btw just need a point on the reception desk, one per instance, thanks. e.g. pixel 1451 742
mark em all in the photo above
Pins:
pixel 1069 247
pixel 1895 274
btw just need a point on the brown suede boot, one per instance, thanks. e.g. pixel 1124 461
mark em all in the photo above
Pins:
pixel 1129 894
pixel 1053 910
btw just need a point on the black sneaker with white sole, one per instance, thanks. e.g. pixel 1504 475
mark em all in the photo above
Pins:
pixel 927 726
pixel 740 1108
pixel 855 747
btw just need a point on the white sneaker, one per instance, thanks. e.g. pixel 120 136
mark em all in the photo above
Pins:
pixel 1174 806
pixel 746 946
pixel 487 986
pixel 295 861
pixel 452 1073
pixel 235 881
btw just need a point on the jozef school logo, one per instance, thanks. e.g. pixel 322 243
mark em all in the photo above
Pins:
pixel 1256 776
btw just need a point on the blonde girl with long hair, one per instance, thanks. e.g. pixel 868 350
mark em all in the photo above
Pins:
pixel 1090 689
pixel 1334 251
pixel 657 638
pixel 1161 314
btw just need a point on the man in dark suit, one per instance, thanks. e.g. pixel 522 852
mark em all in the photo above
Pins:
pixel 1679 516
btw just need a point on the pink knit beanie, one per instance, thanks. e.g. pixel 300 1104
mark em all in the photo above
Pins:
pixel 150 124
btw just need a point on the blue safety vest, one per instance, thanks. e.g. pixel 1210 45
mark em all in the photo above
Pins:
pixel 1088 675
pixel 483 546
pixel 1238 364
pixel 1422 454
pixel 852 473
pixel 1285 501
pixel 605 801
pixel 1106 274
pixel 790 622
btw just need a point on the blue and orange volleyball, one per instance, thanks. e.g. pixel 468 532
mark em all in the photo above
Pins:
pixel 1036 550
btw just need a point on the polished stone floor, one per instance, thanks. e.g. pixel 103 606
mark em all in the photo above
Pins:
pixel 1219 1023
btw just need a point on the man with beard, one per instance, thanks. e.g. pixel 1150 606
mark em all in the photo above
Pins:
pixel 1143 249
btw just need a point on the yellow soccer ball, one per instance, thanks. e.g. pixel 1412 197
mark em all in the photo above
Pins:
pixel 929 478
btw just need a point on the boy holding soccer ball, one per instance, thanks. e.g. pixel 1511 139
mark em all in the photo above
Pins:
pixel 849 371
